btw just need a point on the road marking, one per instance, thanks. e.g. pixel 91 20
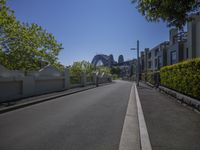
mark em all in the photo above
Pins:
pixel 130 138
pixel 144 136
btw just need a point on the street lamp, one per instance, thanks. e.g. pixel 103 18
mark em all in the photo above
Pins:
pixel 138 63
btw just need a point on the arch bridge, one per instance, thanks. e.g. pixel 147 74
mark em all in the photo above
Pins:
pixel 102 60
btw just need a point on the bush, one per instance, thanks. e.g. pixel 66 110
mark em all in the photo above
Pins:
pixel 81 67
pixel 115 77
pixel 143 76
pixel 183 77
pixel 103 69
pixel 150 77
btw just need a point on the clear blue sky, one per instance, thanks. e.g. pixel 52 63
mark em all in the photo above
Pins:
pixel 89 27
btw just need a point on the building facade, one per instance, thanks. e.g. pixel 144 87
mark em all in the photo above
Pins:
pixel 155 58
pixel 181 46
pixel 177 47
pixel 193 37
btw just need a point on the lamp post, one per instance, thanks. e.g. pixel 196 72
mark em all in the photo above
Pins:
pixel 138 63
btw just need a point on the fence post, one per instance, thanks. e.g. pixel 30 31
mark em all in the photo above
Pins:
pixel 67 78
pixel 83 79
pixel 110 78
pixel 94 78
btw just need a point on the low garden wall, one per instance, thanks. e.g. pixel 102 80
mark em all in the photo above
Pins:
pixel 16 85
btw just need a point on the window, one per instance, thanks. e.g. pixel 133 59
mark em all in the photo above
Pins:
pixel 156 63
pixel 159 62
pixel 173 57
pixel 187 53
pixel 149 64
pixel 174 39
pixel 156 52
pixel 149 55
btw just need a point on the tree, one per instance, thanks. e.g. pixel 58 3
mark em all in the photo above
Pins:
pixel 174 12
pixel 103 69
pixel 25 46
pixel 59 66
pixel 116 70
pixel 81 67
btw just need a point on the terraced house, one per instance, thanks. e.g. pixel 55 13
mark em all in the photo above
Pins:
pixel 181 46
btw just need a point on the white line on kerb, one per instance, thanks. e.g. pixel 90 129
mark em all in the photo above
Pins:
pixel 144 136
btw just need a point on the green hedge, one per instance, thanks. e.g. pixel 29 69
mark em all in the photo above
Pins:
pixel 115 77
pixel 143 76
pixel 183 77
pixel 150 77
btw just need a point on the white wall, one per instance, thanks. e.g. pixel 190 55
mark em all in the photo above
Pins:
pixel 14 86
pixel 10 88
pixel 48 85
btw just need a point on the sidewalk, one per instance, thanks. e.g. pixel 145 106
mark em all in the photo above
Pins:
pixel 171 126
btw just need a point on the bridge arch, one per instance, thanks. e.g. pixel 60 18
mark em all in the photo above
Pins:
pixel 100 59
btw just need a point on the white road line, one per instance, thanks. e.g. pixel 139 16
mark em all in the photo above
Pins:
pixel 144 136
pixel 130 138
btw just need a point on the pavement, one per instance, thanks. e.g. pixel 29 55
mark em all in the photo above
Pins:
pixel 87 120
pixel 170 125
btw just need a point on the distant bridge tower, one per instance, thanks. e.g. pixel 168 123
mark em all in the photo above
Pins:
pixel 120 59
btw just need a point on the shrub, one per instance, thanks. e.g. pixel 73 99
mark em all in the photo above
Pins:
pixel 81 66
pixel 102 69
pixel 152 77
pixel 183 77
pixel 143 76
pixel 115 77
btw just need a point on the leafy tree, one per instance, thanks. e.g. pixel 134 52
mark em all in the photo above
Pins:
pixel 115 70
pixel 133 70
pixel 59 66
pixel 25 46
pixel 81 67
pixel 102 69
pixel 174 12
pixel 88 68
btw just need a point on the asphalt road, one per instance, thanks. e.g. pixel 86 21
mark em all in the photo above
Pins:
pixel 89 120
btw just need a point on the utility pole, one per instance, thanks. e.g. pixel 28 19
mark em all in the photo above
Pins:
pixel 138 62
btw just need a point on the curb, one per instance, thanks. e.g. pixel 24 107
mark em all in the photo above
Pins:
pixel 194 103
pixel 11 108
